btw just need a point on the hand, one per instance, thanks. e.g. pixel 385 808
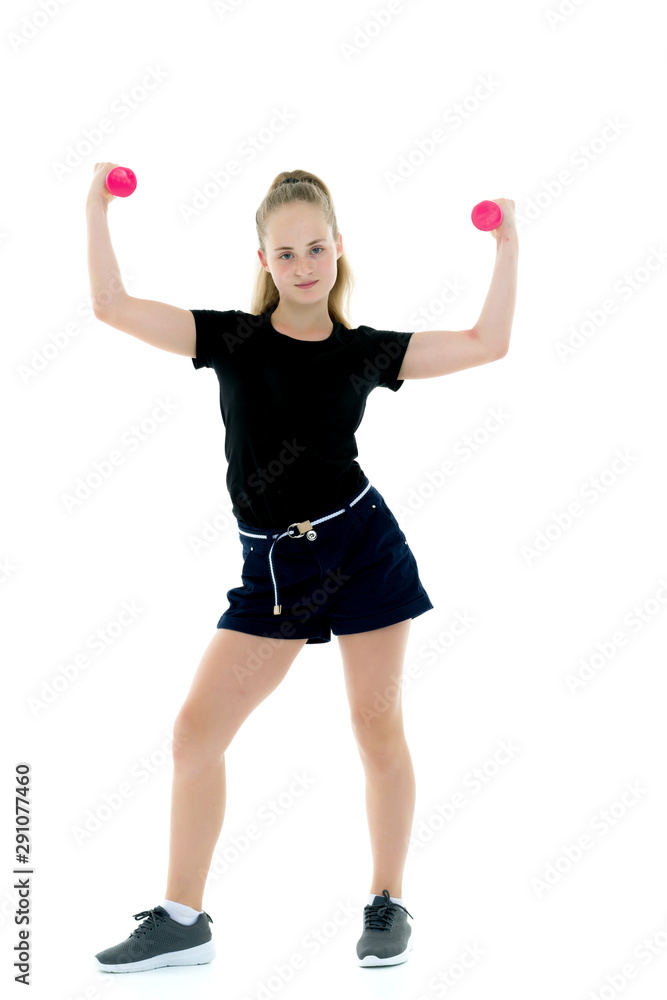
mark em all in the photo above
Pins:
pixel 508 225
pixel 98 188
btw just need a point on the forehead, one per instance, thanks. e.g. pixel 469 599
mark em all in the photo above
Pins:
pixel 298 222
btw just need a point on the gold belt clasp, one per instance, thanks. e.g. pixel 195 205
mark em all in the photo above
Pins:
pixel 301 526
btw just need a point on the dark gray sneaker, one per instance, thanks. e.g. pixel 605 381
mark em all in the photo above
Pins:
pixel 160 941
pixel 387 936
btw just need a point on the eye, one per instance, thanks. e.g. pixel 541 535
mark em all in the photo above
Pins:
pixel 287 252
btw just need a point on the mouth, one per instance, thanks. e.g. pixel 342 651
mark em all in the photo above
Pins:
pixel 308 284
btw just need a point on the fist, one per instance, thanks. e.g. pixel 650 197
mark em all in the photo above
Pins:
pixel 509 218
pixel 98 188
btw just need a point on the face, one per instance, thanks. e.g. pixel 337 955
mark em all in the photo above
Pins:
pixel 300 249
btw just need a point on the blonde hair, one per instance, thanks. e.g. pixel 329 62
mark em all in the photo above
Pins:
pixel 313 191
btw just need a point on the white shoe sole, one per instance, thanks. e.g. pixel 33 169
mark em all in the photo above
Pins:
pixel 371 960
pixel 187 956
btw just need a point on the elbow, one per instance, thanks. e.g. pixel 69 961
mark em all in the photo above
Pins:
pixel 106 303
pixel 499 349
pixel 491 352
pixel 496 352
pixel 100 308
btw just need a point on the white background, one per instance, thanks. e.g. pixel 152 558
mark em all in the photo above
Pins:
pixel 361 96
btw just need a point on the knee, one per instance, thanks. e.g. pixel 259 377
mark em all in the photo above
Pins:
pixel 193 742
pixel 379 736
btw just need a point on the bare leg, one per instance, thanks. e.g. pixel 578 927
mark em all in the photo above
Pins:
pixel 198 796
pixel 224 692
pixel 390 807
pixel 373 663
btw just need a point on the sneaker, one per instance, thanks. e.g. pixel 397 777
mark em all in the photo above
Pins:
pixel 158 941
pixel 387 936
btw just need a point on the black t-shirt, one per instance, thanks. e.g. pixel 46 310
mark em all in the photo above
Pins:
pixel 291 408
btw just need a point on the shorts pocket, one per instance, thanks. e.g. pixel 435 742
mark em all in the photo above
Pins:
pixel 386 513
pixel 248 550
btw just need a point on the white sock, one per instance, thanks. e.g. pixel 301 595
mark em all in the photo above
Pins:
pixel 180 912
pixel 371 897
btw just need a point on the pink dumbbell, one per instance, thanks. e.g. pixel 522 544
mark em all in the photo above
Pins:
pixel 487 215
pixel 120 181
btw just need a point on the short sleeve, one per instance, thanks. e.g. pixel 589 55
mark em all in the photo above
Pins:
pixel 384 351
pixel 211 325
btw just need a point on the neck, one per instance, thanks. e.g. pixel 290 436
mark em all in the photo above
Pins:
pixel 303 321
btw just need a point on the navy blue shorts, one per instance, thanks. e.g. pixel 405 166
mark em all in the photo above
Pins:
pixel 350 570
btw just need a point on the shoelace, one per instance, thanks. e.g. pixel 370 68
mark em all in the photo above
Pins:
pixel 151 921
pixel 380 916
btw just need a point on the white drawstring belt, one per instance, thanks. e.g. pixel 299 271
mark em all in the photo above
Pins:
pixel 303 528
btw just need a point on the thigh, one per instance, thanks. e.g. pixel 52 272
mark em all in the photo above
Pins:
pixel 235 674
pixel 373 668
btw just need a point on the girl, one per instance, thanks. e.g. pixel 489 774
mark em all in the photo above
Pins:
pixel 322 552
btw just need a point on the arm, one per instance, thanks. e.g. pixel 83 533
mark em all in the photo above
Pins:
pixel 440 352
pixel 495 322
pixel 156 323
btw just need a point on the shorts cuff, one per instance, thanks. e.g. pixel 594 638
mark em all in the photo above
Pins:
pixel 411 610
pixel 289 631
